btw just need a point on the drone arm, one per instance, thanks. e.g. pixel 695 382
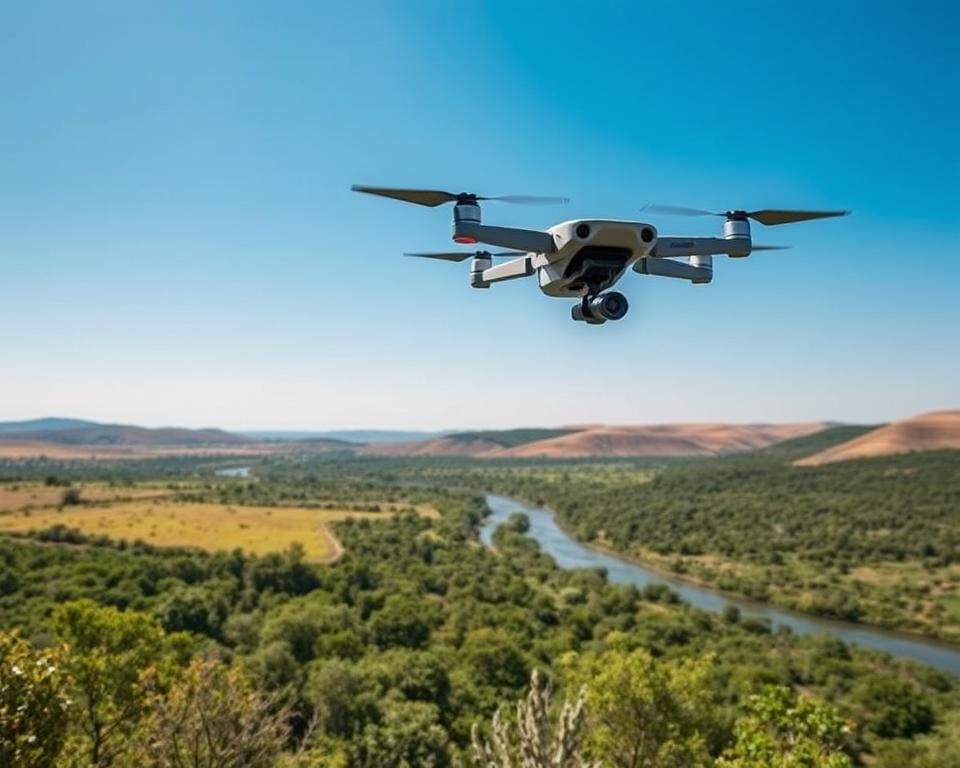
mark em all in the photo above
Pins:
pixel 509 270
pixel 701 246
pixel 699 271
pixel 529 240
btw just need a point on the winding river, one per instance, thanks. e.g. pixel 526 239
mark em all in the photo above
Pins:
pixel 569 553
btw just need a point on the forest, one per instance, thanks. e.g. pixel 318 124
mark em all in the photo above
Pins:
pixel 419 646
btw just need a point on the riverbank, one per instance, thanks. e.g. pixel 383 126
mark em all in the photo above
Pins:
pixel 901 597
pixel 570 553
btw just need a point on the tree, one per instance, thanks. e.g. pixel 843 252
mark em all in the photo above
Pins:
pixel 518 522
pixel 780 730
pixel 114 658
pixel 302 623
pixel 494 658
pixel 335 692
pixel 731 613
pixel 33 704
pixel 533 741
pixel 645 713
pixel 212 717
pixel 892 707
pixel 70 497
pixel 188 609
pixel 400 622
pixel 939 749
pixel 408 733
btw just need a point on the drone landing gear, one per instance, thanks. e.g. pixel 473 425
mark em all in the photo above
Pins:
pixel 597 309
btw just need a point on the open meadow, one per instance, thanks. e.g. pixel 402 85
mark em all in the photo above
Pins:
pixel 31 495
pixel 165 522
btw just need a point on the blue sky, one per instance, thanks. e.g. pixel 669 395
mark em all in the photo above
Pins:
pixel 179 244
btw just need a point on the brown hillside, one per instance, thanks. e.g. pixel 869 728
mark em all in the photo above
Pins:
pixel 662 440
pixel 27 449
pixel 926 432
pixel 600 440
pixel 439 446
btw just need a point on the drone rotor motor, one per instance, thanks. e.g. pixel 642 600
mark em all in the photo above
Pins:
pixel 736 230
pixel 482 261
pixel 466 215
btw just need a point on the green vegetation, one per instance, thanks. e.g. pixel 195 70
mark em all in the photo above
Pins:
pixel 390 656
pixel 785 731
pixel 33 704
pixel 875 541
pixel 510 438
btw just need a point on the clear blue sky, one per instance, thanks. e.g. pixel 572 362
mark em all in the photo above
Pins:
pixel 179 244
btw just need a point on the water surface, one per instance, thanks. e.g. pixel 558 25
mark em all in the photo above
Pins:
pixel 234 472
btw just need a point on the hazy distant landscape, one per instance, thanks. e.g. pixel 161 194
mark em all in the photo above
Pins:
pixel 934 431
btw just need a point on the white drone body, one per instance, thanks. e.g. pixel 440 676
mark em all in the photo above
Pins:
pixel 584 258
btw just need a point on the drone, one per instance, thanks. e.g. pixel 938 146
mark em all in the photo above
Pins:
pixel 583 258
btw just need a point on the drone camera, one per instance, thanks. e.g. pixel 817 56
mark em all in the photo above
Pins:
pixel 646 234
pixel 600 309
pixel 583 231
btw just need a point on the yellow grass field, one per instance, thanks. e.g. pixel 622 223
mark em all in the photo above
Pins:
pixel 212 527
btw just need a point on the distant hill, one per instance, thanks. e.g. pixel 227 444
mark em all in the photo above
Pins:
pixel 86 433
pixel 464 445
pixel 514 438
pixel 927 432
pixel 798 447
pixel 664 440
pixel 601 440
pixel 41 425
pixel 361 436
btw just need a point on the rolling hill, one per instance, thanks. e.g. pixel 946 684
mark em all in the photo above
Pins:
pixel 933 431
pixel 43 425
pixel 602 440
pixel 87 433
pixel 69 438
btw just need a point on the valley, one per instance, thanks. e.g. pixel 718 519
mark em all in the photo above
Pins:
pixel 354 586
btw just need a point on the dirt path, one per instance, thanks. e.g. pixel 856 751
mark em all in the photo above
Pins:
pixel 335 546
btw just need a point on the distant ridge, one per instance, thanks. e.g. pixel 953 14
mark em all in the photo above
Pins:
pixel 361 436
pixel 59 431
pixel 938 430
pixel 41 425
pixel 825 441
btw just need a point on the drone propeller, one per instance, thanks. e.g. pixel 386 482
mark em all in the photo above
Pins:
pixel 463 255
pixel 770 247
pixel 768 216
pixel 434 197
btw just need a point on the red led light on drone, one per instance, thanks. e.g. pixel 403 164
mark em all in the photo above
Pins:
pixel 464 239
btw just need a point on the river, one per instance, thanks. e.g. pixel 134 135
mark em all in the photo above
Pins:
pixel 569 553
pixel 234 472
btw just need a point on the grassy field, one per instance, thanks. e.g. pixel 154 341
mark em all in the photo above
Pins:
pixel 165 523
pixel 15 496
